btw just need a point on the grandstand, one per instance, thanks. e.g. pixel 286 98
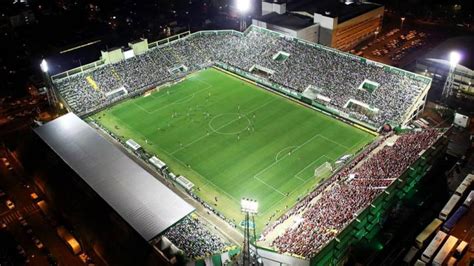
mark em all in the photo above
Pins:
pixel 231 115
pixel 399 96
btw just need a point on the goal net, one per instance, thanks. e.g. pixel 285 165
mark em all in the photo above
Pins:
pixel 323 169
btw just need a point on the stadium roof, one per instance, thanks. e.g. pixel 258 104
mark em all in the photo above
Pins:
pixel 335 8
pixel 138 197
pixel 287 20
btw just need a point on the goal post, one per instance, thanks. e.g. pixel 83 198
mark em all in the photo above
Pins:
pixel 323 169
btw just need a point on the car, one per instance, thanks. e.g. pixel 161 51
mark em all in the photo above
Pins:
pixel 10 204
pixel 37 242
pixel 21 250
pixel 22 221
pixel 29 230
pixel 25 184
pixel 85 258
pixel 34 196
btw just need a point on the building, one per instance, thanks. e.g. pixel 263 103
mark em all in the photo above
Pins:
pixel 338 24
pixel 113 205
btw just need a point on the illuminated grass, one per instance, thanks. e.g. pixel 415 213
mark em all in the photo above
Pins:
pixel 233 140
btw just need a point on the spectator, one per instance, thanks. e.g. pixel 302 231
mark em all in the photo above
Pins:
pixel 336 76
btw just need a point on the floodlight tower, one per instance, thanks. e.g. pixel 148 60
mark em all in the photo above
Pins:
pixel 243 6
pixel 454 58
pixel 250 208
pixel 51 94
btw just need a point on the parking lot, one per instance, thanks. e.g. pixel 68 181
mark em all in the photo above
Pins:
pixel 393 46
pixel 401 42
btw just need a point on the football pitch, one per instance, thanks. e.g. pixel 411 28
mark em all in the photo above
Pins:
pixel 233 139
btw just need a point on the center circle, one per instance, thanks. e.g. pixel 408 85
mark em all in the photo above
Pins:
pixel 229 123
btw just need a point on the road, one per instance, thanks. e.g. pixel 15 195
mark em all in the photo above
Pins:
pixel 18 190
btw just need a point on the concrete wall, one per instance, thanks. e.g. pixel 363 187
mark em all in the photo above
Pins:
pixel 326 27
pixel 276 28
pixel 268 8
pixel 112 56
pixel 139 47
pixel 310 33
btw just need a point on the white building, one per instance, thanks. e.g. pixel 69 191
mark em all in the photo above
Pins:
pixel 338 24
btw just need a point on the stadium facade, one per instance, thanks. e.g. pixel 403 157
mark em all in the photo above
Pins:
pixel 338 24
pixel 364 105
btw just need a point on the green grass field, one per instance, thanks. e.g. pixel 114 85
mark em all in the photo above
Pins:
pixel 233 140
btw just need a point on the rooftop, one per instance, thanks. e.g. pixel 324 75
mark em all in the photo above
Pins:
pixel 275 1
pixel 287 20
pixel 333 8
pixel 140 199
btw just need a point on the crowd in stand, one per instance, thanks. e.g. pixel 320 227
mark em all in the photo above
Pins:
pixel 195 239
pixel 326 211
pixel 336 76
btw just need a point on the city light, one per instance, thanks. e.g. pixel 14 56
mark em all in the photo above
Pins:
pixel 44 66
pixel 249 205
pixel 243 5
pixel 454 58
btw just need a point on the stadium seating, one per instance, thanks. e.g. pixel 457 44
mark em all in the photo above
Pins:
pixel 195 239
pixel 339 201
pixel 337 75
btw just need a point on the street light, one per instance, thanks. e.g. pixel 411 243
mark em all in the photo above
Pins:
pixel 243 6
pixel 402 19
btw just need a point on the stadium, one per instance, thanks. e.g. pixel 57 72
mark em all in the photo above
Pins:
pixel 303 129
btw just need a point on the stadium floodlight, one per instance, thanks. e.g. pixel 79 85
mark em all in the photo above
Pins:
pixel 249 205
pixel 243 6
pixel 454 58
pixel 44 66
